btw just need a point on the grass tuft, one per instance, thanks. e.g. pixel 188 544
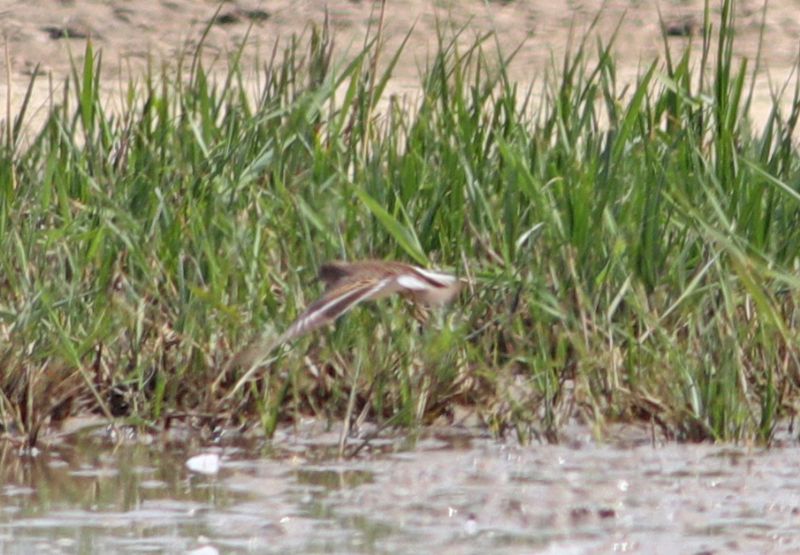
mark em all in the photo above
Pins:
pixel 632 248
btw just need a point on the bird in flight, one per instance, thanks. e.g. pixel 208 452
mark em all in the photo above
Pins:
pixel 349 283
pixel 346 285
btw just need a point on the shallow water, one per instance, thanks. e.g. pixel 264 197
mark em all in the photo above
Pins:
pixel 443 493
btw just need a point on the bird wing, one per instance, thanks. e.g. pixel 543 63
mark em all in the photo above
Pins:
pixel 337 301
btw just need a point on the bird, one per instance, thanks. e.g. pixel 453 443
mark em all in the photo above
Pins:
pixel 346 285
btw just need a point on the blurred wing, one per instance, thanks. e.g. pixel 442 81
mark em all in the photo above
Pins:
pixel 336 302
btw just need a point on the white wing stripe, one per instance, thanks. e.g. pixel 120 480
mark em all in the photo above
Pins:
pixel 410 282
pixel 444 279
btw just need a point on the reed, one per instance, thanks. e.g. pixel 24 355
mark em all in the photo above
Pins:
pixel 631 253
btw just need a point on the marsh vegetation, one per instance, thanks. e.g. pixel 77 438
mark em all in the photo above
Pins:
pixel 631 248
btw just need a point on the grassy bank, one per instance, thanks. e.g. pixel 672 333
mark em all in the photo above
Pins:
pixel 631 248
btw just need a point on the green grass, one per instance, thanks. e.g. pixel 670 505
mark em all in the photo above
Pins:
pixel 632 247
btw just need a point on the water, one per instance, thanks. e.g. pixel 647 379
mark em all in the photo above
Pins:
pixel 445 493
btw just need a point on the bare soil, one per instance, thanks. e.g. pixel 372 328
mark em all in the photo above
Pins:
pixel 49 33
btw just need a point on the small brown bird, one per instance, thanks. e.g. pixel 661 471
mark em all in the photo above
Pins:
pixel 349 283
pixel 346 285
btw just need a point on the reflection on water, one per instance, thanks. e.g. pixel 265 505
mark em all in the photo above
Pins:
pixel 473 495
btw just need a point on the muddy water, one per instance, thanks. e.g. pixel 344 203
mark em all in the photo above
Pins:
pixel 439 494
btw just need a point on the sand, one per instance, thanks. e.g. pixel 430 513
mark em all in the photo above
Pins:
pixel 50 34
